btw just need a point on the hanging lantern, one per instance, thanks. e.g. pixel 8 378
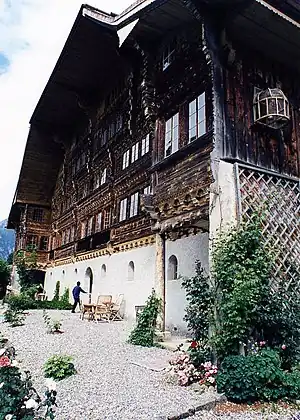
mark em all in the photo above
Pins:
pixel 271 108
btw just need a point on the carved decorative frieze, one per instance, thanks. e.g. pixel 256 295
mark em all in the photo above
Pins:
pixel 113 249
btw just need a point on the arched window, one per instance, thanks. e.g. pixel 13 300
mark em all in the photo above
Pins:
pixel 76 271
pixel 172 268
pixel 103 271
pixel 88 282
pixel 130 271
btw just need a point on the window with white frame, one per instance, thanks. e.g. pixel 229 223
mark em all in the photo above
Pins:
pixel 197 117
pixel 134 202
pixel 126 157
pixel 106 221
pixel 145 145
pixel 103 176
pixel 99 222
pixel 38 215
pixel 72 234
pixel 171 135
pixel 123 210
pixel 83 230
pixel 135 152
pixel 44 243
pixel 168 55
pixel 33 240
pixel 97 182
pixel 147 190
pixel 90 226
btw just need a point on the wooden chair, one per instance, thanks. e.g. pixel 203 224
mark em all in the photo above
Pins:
pixel 115 310
pixel 85 307
pixel 103 306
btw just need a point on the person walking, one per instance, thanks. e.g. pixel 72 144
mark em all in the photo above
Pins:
pixel 76 295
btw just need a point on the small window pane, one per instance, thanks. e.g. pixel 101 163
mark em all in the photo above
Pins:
pixel 192 107
pixel 171 135
pixel 123 210
pixel 103 176
pixel 197 117
pixel 201 100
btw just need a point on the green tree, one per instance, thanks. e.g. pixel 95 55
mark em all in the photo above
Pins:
pixel 4 277
pixel 26 263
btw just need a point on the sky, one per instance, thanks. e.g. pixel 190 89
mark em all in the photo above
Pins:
pixel 32 35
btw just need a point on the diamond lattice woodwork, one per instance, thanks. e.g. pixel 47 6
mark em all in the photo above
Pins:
pixel 279 198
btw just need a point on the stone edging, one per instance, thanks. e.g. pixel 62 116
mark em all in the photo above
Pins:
pixel 205 406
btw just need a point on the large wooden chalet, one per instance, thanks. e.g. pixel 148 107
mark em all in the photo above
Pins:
pixel 157 127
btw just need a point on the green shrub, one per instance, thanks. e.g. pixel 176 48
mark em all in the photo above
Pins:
pixel 241 273
pixel 59 367
pixel 56 292
pixel 257 377
pixel 53 325
pixel 23 302
pixel 199 304
pixel 200 353
pixel 31 291
pixel 64 300
pixel 144 332
pixel 14 317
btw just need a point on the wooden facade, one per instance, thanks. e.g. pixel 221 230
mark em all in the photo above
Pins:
pixel 121 144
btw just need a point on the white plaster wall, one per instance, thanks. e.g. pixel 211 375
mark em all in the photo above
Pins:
pixel 115 282
pixel 223 198
pixel 187 251
pixel 136 292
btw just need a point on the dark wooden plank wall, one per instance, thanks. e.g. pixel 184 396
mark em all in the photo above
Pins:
pixel 277 150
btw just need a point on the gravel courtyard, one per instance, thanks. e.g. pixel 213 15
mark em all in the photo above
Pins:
pixel 108 385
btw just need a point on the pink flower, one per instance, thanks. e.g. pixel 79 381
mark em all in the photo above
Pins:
pixel 262 343
pixel 283 346
pixel 4 361
pixel 207 365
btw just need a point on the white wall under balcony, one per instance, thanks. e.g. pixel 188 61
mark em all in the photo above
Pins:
pixel 115 275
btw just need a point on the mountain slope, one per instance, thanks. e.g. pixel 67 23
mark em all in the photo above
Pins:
pixel 7 240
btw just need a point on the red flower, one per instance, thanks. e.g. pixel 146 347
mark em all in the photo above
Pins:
pixel 194 344
pixel 4 361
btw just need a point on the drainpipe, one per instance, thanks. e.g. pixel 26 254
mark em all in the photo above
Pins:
pixel 160 278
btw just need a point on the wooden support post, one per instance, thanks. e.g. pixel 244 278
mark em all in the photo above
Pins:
pixel 160 283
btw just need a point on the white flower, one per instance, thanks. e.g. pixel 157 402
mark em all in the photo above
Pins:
pixel 211 380
pixel 8 416
pixel 31 404
pixel 14 363
pixel 51 384
pixel 1 385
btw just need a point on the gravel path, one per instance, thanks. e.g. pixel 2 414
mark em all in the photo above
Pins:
pixel 108 385
pixel 241 416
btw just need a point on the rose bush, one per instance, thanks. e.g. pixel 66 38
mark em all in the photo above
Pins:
pixel 18 398
pixel 182 366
